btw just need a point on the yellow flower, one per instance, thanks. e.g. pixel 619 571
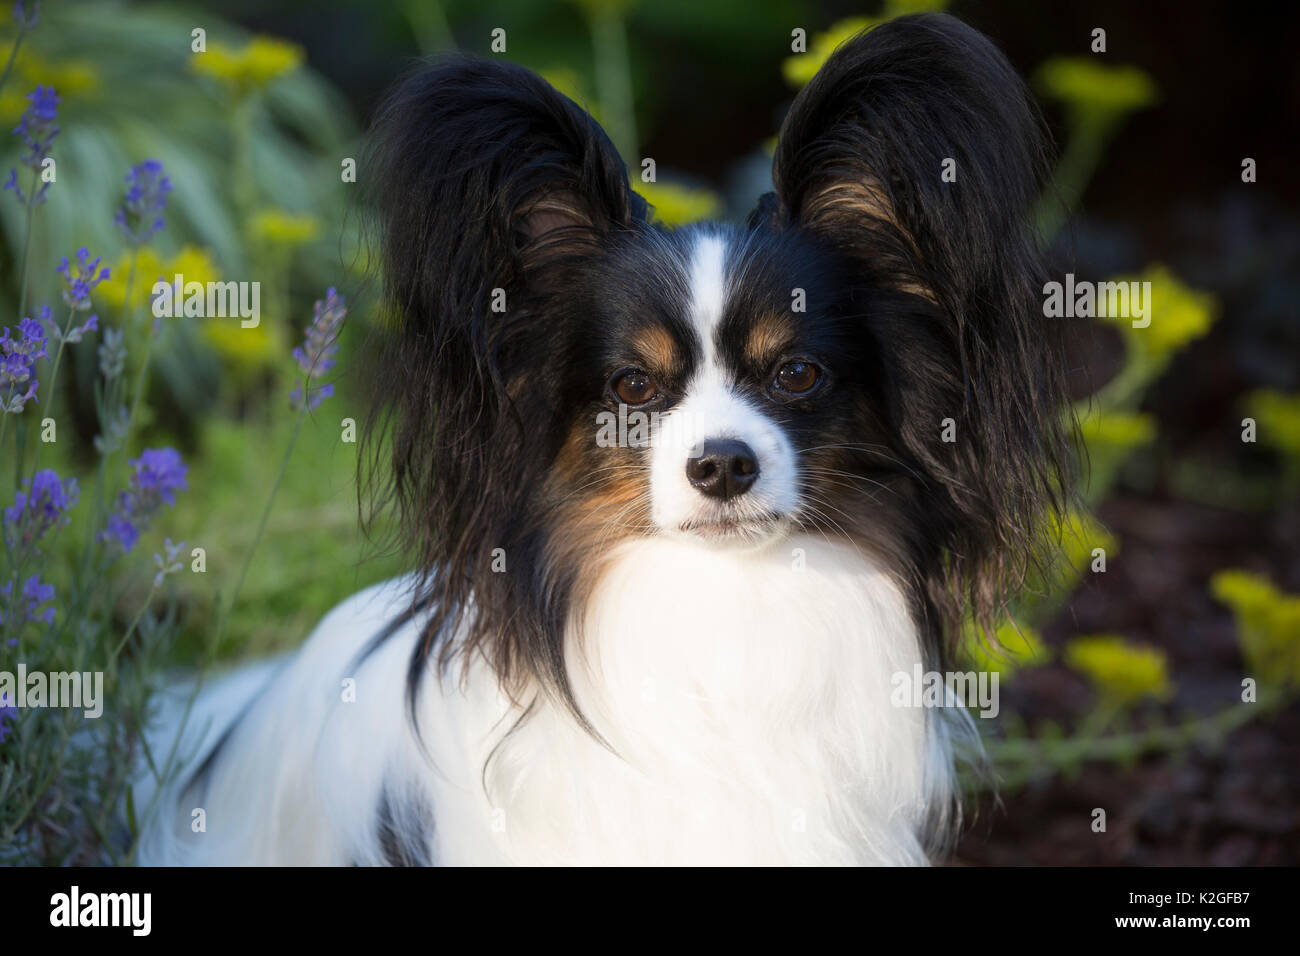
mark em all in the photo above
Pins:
pixel 802 67
pixel 1278 419
pixel 1018 646
pixel 244 352
pixel 1095 92
pixel 1118 430
pixel 1120 671
pixel 569 82
pixel 281 227
pixel 897 8
pixel 74 78
pixel 1078 534
pixel 676 205
pixel 253 67
pixel 148 269
pixel 1178 314
pixel 1268 624
pixel 195 264
pixel 1110 437
pixel 12 104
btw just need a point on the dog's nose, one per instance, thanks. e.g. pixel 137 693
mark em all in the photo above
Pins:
pixel 725 469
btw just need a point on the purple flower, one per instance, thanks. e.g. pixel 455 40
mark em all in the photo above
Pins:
pixel 37 129
pixel 169 562
pixel 316 354
pixel 18 358
pixel 8 714
pixel 159 473
pixel 81 283
pixel 140 216
pixel 26 15
pixel 74 334
pixel 121 529
pixel 44 505
pixel 29 607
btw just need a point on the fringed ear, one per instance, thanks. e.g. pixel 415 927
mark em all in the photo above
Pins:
pixel 474 166
pixel 918 155
pixel 918 141
pixel 483 182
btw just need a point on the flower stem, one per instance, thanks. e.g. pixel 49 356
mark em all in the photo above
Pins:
pixel 132 626
pixel 13 55
pixel 54 377
pixel 27 244
pixel 220 628
pixel 261 524
pixel 36 455
pixel 142 377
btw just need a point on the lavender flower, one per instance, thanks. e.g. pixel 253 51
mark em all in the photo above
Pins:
pixel 8 713
pixel 169 562
pixel 18 358
pixel 159 474
pixel 112 353
pixel 316 355
pixel 37 128
pixel 44 505
pixel 73 334
pixel 140 216
pixel 117 425
pixel 29 607
pixel 26 15
pixel 79 286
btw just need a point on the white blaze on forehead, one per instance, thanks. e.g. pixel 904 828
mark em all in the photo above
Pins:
pixel 712 408
pixel 708 292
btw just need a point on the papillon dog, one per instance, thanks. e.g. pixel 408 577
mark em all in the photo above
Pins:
pixel 679 503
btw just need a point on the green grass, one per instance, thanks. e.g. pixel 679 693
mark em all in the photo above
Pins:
pixel 313 553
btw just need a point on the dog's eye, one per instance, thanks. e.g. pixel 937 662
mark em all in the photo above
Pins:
pixel 632 386
pixel 797 378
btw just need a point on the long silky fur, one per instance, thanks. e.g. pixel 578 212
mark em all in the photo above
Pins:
pixel 889 108
pixel 484 182
pixel 465 157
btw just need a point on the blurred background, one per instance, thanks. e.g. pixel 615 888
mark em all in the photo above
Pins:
pixel 1122 681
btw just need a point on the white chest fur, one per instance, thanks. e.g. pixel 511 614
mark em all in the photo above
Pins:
pixel 746 700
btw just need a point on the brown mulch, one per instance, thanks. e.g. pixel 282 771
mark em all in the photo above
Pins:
pixel 1234 805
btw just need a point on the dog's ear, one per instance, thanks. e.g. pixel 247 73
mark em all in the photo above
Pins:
pixel 917 142
pixel 478 169
pixel 917 153
pixel 485 185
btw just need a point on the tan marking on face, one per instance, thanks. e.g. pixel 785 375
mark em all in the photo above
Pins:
pixel 769 336
pixel 602 496
pixel 657 349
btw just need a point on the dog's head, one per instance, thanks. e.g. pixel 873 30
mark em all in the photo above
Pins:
pixel 865 358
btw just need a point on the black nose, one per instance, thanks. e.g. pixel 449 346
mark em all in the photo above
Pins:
pixel 725 469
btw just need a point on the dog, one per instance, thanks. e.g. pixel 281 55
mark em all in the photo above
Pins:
pixel 678 503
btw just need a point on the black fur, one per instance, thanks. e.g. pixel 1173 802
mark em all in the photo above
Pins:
pixel 889 108
pixel 484 178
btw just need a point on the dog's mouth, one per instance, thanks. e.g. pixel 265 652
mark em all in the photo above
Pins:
pixel 734 529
